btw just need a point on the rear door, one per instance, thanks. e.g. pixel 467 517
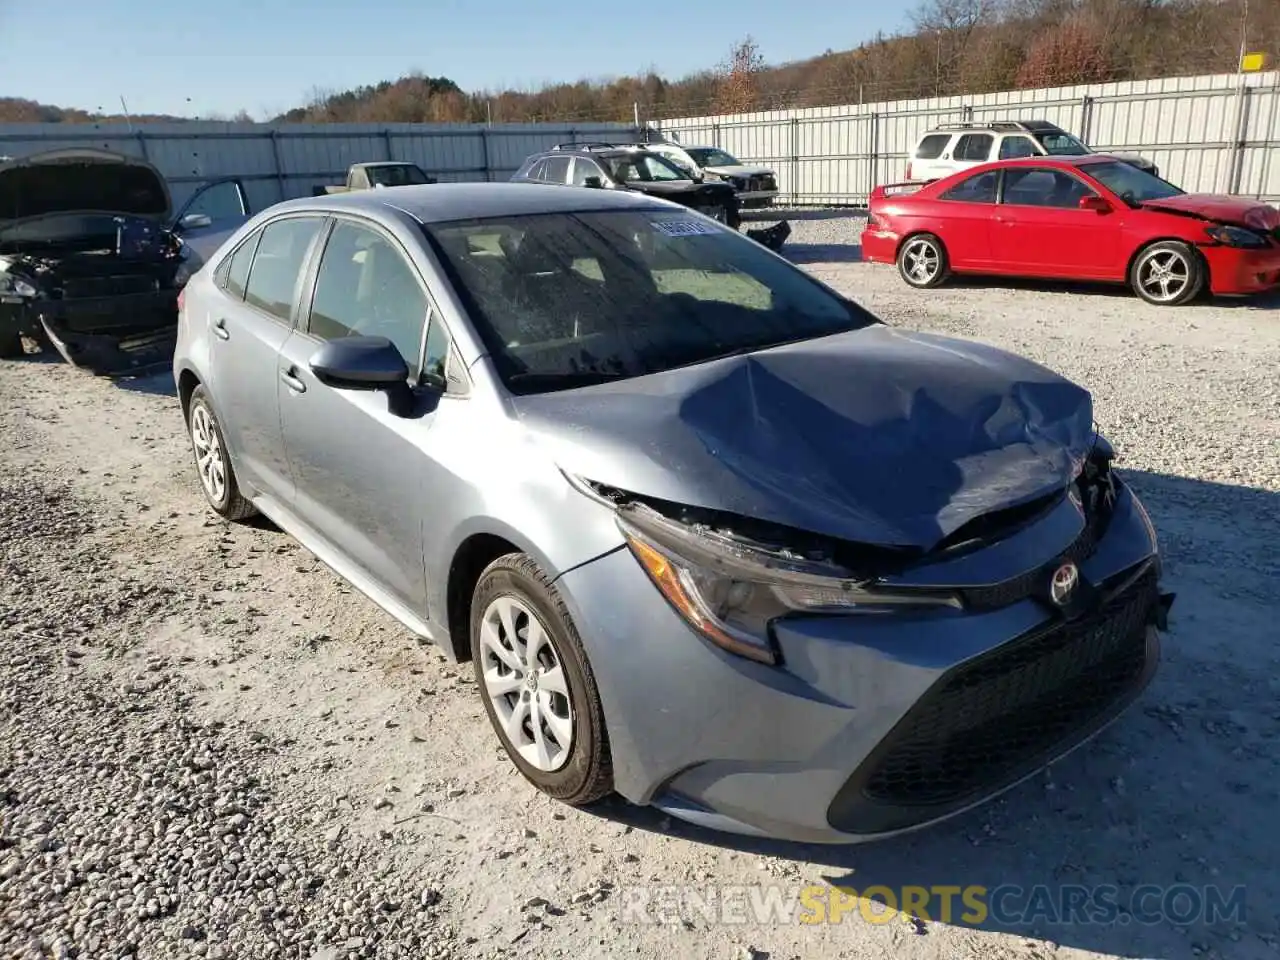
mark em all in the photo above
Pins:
pixel 969 150
pixel 251 321
pixel 925 162
pixel 1040 230
pixel 211 215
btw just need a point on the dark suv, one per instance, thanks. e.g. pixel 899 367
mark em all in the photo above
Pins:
pixel 611 166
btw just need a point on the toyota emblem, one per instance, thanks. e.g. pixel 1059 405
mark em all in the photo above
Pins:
pixel 1063 583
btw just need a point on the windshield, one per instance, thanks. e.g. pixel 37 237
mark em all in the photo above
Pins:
pixel 711 157
pixel 396 176
pixel 571 299
pixel 1130 184
pixel 1062 144
pixel 644 166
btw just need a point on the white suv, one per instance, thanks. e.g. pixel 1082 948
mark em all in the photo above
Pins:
pixel 755 186
pixel 947 149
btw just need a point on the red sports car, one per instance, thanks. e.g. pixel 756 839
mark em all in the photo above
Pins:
pixel 1078 218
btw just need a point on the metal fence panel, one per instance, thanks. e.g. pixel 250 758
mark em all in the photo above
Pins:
pixel 1214 133
pixel 279 163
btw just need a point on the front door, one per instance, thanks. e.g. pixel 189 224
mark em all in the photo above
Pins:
pixel 1041 230
pixel 249 324
pixel 361 476
pixel 211 215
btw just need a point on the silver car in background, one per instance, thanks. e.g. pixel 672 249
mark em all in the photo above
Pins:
pixel 712 535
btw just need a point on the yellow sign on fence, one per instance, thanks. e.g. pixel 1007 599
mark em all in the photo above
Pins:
pixel 1252 62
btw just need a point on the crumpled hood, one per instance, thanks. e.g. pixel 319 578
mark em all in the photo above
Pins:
pixel 741 170
pixel 877 436
pixel 81 181
pixel 1237 211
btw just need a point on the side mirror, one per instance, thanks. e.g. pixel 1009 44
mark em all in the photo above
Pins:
pixel 195 221
pixel 1095 203
pixel 360 363
pixel 594 183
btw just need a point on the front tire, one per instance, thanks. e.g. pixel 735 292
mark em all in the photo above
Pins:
pixel 1168 274
pixel 536 683
pixel 922 261
pixel 217 478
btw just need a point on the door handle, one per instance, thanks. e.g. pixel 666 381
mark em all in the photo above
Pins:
pixel 220 329
pixel 291 380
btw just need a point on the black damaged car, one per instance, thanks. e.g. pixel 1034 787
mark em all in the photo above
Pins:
pixel 90 261
pixel 613 166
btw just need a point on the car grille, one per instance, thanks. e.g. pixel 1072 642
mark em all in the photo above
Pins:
pixel 763 182
pixel 990 720
pixel 1028 584
pixel 84 288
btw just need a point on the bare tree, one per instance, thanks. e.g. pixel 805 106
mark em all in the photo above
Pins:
pixel 738 92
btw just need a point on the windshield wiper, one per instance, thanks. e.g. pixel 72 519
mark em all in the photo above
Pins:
pixel 564 381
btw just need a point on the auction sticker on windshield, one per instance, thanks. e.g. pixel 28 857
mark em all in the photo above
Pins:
pixel 683 227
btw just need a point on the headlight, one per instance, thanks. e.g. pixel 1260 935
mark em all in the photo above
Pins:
pixel 191 263
pixel 16 287
pixel 730 592
pixel 1235 236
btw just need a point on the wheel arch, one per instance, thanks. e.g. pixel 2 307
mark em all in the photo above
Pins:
pixel 1171 238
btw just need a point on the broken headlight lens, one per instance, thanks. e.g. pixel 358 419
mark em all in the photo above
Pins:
pixel 16 287
pixel 1236 237
pixel 730 591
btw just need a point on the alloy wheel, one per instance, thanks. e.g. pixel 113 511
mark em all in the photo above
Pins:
pixel 525 682
pixel 922 260
pixel 208 449
pixel 1164 275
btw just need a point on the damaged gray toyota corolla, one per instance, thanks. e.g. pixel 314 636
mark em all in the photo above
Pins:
pixel 712 535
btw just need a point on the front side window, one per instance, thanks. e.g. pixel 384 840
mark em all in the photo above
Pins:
pixel 1035 187
pixel 1015 148
pixel 974 147
pixel 1062 144
pixel 931 147
pixel 645 166
pixel 584 169
pixel 712 157
pixel 273 278
pixel 218 201
pixel 366 287
pixel 980 188
pixel 570 299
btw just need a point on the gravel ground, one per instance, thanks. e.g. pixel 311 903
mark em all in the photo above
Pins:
pixel 211 747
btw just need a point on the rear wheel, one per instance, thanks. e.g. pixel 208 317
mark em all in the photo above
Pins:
pixel 922 260
pixel 217 478
pixel 1168 274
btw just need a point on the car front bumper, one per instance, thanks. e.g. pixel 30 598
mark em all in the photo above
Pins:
pixel 871 725
pixel 1233 271
pixel 109 336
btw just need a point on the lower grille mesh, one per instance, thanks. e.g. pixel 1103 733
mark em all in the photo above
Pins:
pixel 1002 710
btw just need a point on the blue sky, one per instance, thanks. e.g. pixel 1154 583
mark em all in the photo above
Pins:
pixel 267 55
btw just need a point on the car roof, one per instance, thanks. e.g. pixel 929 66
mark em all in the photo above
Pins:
pixel 440 202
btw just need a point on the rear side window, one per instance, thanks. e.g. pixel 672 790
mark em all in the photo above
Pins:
pixel 974 146
pixel 1014 148
pixel 556 170
pixel 233 274
pixel 931 147
pixel 277 263
pixel 976 189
